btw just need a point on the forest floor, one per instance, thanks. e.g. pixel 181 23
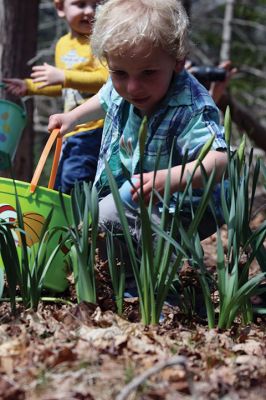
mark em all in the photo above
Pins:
pixel 87 352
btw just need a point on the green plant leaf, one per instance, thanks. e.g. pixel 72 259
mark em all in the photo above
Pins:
pixel 227 126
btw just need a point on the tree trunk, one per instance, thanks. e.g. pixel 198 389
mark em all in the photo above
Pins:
pixel 18 25
pixel 227 30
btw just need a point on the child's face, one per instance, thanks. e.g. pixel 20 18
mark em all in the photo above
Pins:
pixel 143 79
pixel 79 15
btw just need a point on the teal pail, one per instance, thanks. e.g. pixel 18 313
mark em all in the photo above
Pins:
pixel 12 122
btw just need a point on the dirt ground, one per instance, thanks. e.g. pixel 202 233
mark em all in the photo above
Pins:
pixel 87 352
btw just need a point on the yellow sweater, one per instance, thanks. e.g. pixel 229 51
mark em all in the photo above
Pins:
pixel 84 76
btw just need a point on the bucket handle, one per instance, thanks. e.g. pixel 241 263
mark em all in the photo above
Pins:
pixel 35 179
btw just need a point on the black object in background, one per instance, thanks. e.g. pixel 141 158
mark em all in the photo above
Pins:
pixel 208 74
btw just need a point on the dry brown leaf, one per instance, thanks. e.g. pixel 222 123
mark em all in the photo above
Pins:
pixel 224 375
pixel 174 374
pixel 250 347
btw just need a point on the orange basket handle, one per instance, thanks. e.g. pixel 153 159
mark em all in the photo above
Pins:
pixel 35 179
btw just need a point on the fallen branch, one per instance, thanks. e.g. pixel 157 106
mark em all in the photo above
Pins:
pixel 138 380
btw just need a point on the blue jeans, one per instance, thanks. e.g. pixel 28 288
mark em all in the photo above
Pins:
pixel 109 219
pixel 78 161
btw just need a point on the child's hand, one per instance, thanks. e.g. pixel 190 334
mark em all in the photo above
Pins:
pixel 17 87
pixel 47 75
pixel 61 121
pixel 148 178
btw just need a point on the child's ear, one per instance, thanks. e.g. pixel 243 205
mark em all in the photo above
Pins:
pixel 179 66
pixel 59 5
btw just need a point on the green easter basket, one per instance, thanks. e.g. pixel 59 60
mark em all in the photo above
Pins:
pixel 36 202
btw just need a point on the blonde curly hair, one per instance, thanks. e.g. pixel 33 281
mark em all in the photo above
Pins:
pixel 127 24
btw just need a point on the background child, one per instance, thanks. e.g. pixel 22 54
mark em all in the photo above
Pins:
pixel 77 76
pixel 144 43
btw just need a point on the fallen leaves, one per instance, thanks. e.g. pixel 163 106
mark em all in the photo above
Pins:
pixel 82 352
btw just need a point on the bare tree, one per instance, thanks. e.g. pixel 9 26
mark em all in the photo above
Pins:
pixel 242 36
pixel 241 114
pixel 19 23
pixel 227 30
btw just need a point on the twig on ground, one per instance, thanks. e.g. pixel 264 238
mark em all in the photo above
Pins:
pixel 138 380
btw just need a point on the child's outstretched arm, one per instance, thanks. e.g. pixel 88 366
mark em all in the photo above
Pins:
pixel 23 87
pixel 88 81
pixel 42 75
pixel 214 159
pixel 89 111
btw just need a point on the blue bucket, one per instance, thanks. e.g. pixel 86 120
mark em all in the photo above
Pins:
pixel 12 122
